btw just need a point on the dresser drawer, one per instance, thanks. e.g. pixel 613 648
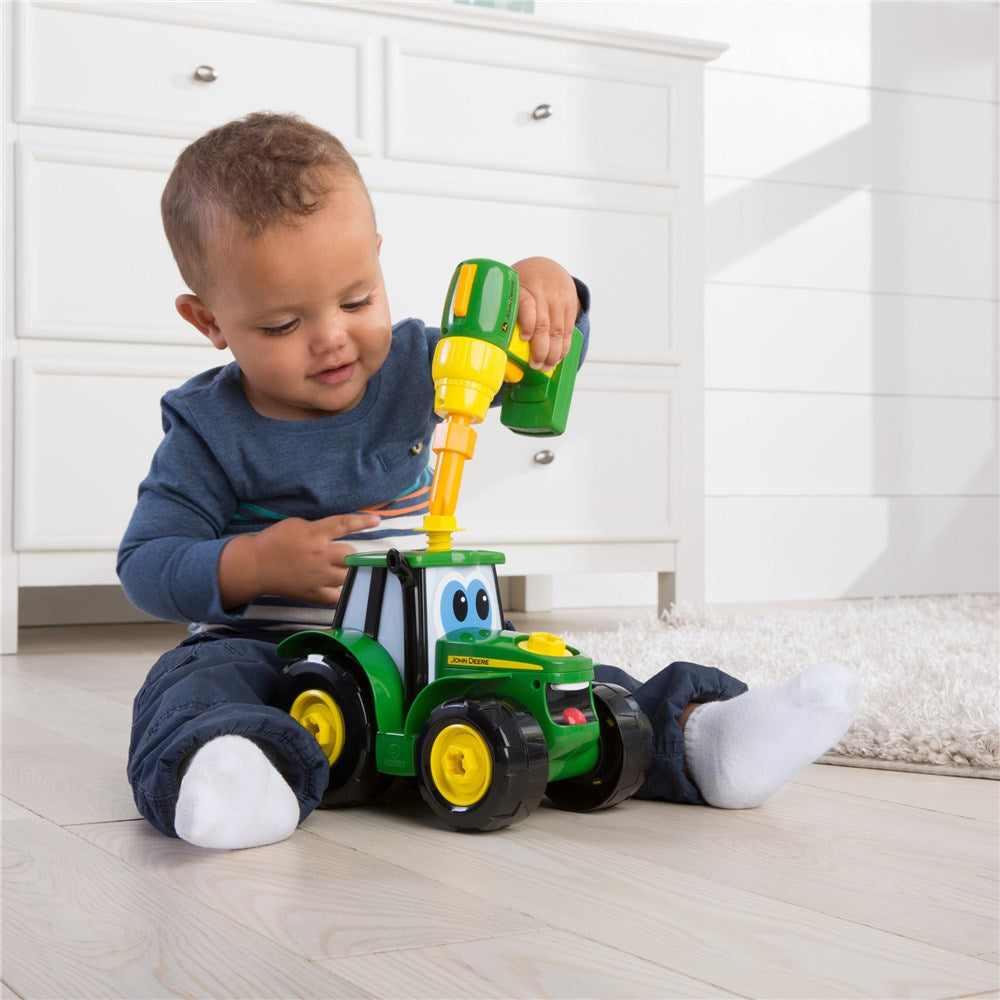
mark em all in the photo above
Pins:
pixel 88 422
pixel 131 68
pixel 609 478
pixel 89 216
pixel 449 103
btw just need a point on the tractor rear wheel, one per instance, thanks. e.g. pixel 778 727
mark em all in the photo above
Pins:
pixel 327 699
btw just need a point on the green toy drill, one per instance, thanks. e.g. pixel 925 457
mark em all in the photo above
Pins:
pixel 480 350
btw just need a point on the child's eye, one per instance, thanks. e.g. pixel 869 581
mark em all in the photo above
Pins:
pixel 277 331
pixel 360 304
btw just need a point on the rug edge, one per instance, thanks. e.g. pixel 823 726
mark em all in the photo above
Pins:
pixel 946 770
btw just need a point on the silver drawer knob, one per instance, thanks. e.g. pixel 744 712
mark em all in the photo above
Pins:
pixel 206 74
pixel 542 111
pixel 544 457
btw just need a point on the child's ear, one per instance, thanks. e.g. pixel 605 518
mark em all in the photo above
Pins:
pixel 201 318
pixel 378 243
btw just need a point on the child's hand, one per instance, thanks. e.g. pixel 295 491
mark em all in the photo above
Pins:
pixel 293 558
pixel 547 309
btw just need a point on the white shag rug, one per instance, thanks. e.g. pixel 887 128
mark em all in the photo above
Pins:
pixel 930 669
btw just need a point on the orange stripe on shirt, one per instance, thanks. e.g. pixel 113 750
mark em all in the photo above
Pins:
pixel 381 508
pixel 394 513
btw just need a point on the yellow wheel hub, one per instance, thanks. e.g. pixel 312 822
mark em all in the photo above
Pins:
pixel 321 715
pixel 461 764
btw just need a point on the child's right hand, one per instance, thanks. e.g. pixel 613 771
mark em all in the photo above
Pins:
pixel 292 558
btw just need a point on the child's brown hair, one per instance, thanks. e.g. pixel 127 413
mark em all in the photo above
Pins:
pixel 249 174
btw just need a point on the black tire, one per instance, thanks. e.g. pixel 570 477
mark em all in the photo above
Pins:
pixel 320 683
pixel 626 753
pixel 483 764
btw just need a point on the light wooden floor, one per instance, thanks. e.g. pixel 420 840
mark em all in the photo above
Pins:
pixel 848 883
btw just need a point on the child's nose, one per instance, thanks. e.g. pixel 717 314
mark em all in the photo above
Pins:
pixel 329 334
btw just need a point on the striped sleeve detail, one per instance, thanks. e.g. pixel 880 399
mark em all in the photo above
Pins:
pixel 403 528
pixel 245 509
pixel 400 516
pixel 415 500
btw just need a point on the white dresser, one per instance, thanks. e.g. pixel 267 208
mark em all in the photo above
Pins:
pixel 479 133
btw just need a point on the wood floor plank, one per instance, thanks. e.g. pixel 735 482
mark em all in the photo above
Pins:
pixel 107 660
pixel 68 713
pixel 949 905
pixel 10 810
pixel 315 898
pixel 755 945
pixel 52 778
pixel 866 821
pixel 980 799
pixel 79 923
pixel 552 964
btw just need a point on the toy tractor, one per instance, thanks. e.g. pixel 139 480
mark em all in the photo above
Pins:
pixel 419 677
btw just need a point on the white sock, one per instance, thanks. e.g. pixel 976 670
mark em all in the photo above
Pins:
pixel 740 751
pixel 232 796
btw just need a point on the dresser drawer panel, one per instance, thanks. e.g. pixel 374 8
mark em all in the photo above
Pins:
pixel 489 110
pixel 608 478
pixel 84 67
pixel 87 426
pixel 626 258
pixel 94 263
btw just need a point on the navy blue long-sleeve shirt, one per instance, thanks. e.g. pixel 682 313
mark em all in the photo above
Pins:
pixel 222 469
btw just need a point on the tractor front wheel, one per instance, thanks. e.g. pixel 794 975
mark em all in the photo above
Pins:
pixel 483 764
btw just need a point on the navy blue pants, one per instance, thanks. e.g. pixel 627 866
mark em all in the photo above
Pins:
pixel 214 685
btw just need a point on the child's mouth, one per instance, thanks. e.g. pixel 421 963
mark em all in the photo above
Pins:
pixel 335 376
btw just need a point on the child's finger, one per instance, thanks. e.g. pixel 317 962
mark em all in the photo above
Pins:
pixel 539 332
pixel 327 595
pixel 560 334
pixel 338 525
pixel 339 551
pixel 558 349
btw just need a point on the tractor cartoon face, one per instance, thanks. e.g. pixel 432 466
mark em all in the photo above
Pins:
pixel 462 599
pixel 451 599
pixel 420 678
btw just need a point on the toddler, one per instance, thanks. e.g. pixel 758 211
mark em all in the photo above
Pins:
pixel 312 444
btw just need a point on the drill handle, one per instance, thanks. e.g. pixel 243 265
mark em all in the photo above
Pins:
pixel 536 402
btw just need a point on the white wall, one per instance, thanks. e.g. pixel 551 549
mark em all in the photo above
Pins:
pixel 851 298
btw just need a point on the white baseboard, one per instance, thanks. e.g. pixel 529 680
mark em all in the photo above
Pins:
pixel 604 590
pixel 38 606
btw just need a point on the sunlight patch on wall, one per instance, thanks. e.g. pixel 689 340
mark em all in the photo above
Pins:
pixel 801 132
pixel 520 6
pixel 789 235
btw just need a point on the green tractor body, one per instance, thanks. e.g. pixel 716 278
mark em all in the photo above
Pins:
pixel 420 678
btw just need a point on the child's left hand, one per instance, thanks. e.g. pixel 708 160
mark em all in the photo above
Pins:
pixel 547 309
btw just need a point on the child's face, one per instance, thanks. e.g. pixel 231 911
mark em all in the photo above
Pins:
pixel 303 309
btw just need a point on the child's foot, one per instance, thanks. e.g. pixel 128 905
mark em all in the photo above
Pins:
pixel 738 752
pixel 232 796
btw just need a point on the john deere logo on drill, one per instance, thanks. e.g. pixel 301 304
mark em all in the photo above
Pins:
pixel 509 311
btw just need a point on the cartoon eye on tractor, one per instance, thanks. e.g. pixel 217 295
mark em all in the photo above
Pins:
pixel 418 676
